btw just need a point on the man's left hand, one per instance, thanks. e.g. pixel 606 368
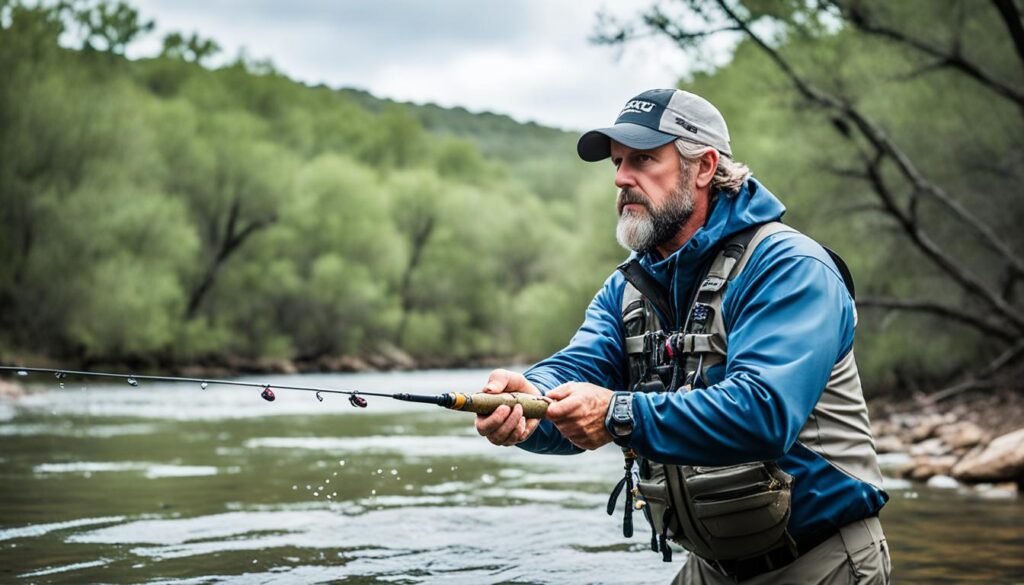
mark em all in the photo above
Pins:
pixel 578 412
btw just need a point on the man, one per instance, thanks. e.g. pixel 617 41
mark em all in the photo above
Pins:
pixel 720 358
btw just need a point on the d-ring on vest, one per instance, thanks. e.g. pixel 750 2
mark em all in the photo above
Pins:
pixel 718 513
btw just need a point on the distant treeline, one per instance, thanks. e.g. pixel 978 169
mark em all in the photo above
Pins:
pixel 157 211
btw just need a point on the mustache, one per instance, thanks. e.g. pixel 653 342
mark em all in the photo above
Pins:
pixel 629 196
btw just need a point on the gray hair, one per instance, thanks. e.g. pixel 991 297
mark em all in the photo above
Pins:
pixel 730 174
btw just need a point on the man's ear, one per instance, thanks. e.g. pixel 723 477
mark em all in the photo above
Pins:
pixel 706 167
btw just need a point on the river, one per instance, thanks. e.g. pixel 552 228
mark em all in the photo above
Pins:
pixel 168 483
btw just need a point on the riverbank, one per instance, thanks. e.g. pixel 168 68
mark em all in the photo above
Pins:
pixel 975 439
pixel 385 359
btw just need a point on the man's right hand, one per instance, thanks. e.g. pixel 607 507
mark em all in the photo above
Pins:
pixel 507 426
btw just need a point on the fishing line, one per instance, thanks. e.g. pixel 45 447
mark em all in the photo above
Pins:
pixel 481 403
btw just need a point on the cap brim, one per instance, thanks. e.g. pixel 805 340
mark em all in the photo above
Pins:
pixel 596 144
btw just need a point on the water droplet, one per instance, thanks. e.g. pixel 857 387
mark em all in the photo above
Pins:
pixel 430 470
pixel 254 561
pixel 335 494
pixel 22 373
pixel 132 381
pixel 319 397
pixel 398 478
pixel 59 375
pixel 327 481
pixel 203 385
pixel 268 394
pixel 380 471
pixel 320 488
pixel 295 487
pixel 316 493
pixel 61 385
pixel 341 463
pixel 357 401
pixel 308 487
pixel 454 467
pixel 373 492
pixel 328 496
pixel 335 474
pixel 394 472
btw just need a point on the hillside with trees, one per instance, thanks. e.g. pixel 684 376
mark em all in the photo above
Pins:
pixel 163 213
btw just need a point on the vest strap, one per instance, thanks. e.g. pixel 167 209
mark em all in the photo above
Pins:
pixel 650 288
pixel 635 344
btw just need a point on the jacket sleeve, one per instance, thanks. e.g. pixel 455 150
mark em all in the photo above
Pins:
pixel 595 354
pixel 790 319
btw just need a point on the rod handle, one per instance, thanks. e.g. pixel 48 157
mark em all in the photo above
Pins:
pixel 534 406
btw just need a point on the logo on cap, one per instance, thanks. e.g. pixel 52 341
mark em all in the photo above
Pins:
pixel 637 107
pixel 686 124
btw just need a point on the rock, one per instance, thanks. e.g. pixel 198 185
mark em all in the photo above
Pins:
pixel 342 363
pixel 1002 460
pixel 398 358
pixel 889 444
pixel 935 446
pixel 925 428
pixel 11 389
pixel 923 467
pixel 962 435
pixel 998 491
pixel 943 482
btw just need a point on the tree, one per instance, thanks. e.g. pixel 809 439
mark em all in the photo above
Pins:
pixel 105 26
pixel 942 220
pixel 193 49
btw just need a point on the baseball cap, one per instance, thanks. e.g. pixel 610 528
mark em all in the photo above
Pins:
pixel 655 118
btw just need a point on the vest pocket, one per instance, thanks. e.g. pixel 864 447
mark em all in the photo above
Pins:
pixel 742 516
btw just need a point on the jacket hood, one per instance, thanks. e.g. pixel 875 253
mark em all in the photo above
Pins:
pixel 752 205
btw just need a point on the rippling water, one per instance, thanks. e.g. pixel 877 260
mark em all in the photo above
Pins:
pixel 173 484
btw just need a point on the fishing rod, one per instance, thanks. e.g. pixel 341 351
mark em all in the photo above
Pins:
pixel 481 403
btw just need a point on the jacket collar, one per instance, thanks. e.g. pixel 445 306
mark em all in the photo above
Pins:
pixel 752 205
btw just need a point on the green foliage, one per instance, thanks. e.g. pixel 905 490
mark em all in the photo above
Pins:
pixel 158 210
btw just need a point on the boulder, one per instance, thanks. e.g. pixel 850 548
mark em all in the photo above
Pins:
pixel 963 435
pixel 923 467
pixel 1002 460
pixel 342 363
pixel 925 428
pixel 943 482
pixel 11 389
pixel 930 447
pixel 889 444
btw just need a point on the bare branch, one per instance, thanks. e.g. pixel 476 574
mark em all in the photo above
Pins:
pixel 984 378
pixel 951 59
pixel 964 277
pixel 937 310
pixel 877 137
pixel 1011 16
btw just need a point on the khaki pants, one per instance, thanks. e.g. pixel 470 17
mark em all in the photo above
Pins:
pixel 857 554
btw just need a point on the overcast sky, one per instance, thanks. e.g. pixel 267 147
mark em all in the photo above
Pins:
pixel 529 59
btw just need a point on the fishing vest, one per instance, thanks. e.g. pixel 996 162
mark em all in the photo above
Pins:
pixel 737 511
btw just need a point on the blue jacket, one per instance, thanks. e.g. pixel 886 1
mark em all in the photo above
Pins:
pixel 789 318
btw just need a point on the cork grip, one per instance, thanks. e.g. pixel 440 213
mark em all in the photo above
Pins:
pixel 534 406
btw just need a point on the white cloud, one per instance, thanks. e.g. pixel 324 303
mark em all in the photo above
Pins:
pixel 530 59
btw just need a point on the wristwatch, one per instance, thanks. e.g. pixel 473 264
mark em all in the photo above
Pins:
pixel 619 418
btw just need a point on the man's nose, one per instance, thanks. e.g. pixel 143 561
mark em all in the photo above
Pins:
pixel 624 177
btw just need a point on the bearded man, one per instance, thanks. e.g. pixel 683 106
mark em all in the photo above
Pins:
pixel 719 357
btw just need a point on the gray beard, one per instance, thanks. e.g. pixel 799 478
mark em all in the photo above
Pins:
pixel 643 231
